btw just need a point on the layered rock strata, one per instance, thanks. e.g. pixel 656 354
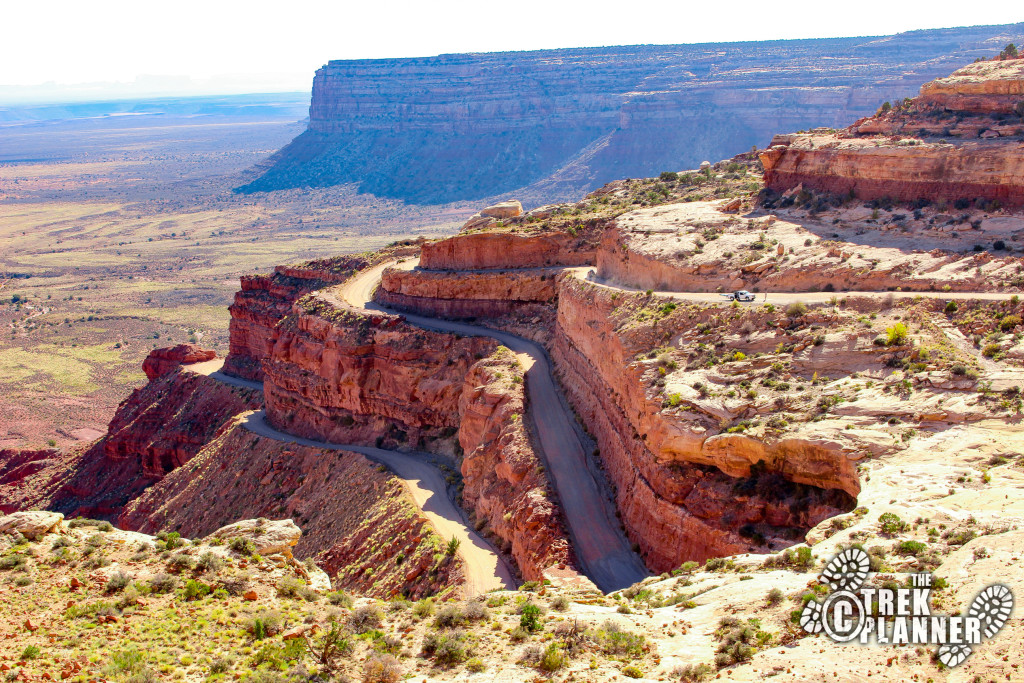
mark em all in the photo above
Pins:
pixel 961 139
pixel 359 524
pixel 265 299
pixel 469 295
pixel 683 492
pixel 156 430
pixel 468 126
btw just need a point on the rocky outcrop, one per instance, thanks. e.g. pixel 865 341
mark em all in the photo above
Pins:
pixel 340 375
pixel 268 537
pixel 264 299
pixel 470 294
pixel 344 503
pixel 960 140
pixel 26 476
pixel 157 429
pixel 160 362
pixel 468 126
pixel 684 494
pixel 505 484
pixel 33 525
pixel 486 250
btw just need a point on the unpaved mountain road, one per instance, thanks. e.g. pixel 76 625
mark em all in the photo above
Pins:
pixel 485 570
pixel 600 544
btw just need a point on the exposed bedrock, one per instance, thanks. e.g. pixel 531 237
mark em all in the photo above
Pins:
pixel 467 126
pixel 467 294
pixel 504 482
pixel 684 492
pixel 962 139
pixel 336 374
pixel 357 521
pixel 156 430
pixel 265 299
pixel 475 251
pixel 345 376
pixel 160 362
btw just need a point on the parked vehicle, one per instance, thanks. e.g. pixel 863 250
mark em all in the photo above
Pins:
pixel 741 295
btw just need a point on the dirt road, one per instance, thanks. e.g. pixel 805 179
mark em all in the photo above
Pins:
pixel 484 569
pixel 600 544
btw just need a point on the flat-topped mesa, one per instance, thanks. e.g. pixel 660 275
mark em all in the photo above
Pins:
pixel 551 124
pixel 961 139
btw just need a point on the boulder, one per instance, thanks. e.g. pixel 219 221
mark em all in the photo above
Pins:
pixel 162 361
pixel 32 525
pixel 508 209
pixel 269 536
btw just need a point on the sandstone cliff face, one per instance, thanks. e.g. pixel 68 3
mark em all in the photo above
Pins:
pixel 677 489
pixel 264 299
pixel 339 375
pixel 484 250
pixel 453 127
pixel 470 295
pixel 923 149
pixel 356 519
pixel 155 430
pixel 25 476
pixel 505 486
pixel 160 362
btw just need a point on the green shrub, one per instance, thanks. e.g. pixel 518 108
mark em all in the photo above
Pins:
pixel 529 616
pixel 31 652
pixel 163 583
pixel 173 540
pixel 195 590
pixel 796 309
pixel 117 582
pixel 952 307
pixel 340 599
pixel 365 618
pixel 890 523
pixel 910 548
pixel 242 546
pixel 1009 322
pixel 208 562
pixel 422 609
pixel 553 658
pixel 264 624
pixel 631 671
pixel 446 648
pixel 453 546
pixel 614 641
pixel 289 587
pixel 382 669
pixel 181 562
pixel 896 335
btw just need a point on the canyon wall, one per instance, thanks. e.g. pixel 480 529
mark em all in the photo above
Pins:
pixel 505 484
pixel 468 126
pixel 961 140
pixel 357 521
pixel 470 295
pixel 337 374
pixel 156 430
pixel 684 490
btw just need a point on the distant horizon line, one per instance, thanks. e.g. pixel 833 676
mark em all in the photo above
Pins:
pixel 57 94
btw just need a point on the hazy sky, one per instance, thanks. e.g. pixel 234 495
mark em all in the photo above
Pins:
pixel 253 46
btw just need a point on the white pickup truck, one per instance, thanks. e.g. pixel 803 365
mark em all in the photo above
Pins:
pixel 741 295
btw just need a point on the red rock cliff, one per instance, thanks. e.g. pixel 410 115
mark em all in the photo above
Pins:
pixel 961 139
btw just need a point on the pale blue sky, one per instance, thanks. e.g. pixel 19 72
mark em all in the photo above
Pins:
pixel 223 46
